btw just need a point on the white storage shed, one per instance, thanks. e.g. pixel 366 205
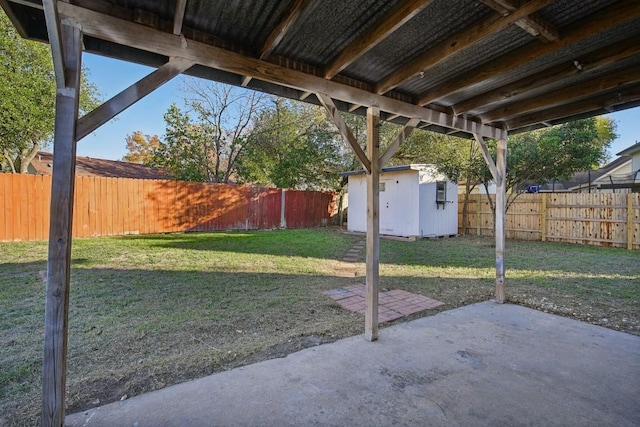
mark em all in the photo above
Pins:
pixel 415 200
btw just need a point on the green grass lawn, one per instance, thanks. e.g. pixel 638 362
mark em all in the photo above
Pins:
pixel 151 311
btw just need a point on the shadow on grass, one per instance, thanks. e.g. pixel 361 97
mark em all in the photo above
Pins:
pixel 306 243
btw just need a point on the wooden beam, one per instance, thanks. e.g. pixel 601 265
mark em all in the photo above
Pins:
pixel 501 208
pixel 399 139
pixel 343 128
pixel 609 17
pixel 564 95
pixel 55 40
pixel 283 27
pixel 590 62
pixel 533 24
pixel 178 18
pixel 245 81
pixel 375 33
pixel 487 158
pixel 602 102
pixel 105 112
pixel 54 366
pixel 305 95
pixel 126 33
pixel 456 43
pixel 373 225
pixel 538 27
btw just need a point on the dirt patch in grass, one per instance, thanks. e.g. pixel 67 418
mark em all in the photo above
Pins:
pixel 151 311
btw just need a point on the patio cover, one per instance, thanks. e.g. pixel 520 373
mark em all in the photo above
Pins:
pixel 474 69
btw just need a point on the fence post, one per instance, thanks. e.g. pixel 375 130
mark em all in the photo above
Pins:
pixel 283 205
pixel 630 216
pixel 543 217
pixel 479 215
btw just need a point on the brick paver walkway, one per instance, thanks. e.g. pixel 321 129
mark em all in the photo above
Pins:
pixel 391 305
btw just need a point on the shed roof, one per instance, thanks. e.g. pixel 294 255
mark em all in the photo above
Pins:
pixel 454 64
pixel 413 166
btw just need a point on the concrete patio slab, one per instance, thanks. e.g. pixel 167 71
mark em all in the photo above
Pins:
pixel 480 365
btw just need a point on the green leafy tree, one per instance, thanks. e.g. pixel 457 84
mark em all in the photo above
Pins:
pixel 186 152
pixel 553 153
pixel 292 145
pixel 27 98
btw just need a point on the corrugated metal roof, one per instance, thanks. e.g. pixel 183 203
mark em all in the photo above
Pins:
pixel 429 28
pixel 316 40
pixel 323 29
pixel 493 47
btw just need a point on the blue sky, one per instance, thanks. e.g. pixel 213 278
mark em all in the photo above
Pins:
pixel 112 76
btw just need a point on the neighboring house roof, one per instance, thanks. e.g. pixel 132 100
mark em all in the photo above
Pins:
pixel 614 174
pixel 585 177
pixel 42 164
pixel 630 151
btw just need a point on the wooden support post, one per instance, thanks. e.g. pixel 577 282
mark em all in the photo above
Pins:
pixel 543 217
pixel 498 172
pixel 630 216
pixel 54 368
pixel 501 199
pixel 373 224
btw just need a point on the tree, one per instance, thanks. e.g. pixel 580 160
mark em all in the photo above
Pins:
pixel 27 98
pixel 186 150
pixel 292 145
pixel 553 153
pixel 225 115
pixel 141 148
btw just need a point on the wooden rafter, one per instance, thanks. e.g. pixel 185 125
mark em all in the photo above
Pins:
pixel 245 81
pixel 456 43
pixel 55 40
pixel 283 27
pixel 130 34
pixel 611 16
pixel 533 24
pixel 178 18
pixel 343 128
pixel 375 33
pixel 603 102
pixel 587 63
pixel 120 102
pixel 565 95
pixel 392 149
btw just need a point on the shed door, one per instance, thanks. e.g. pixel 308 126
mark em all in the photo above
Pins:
pixel 396 207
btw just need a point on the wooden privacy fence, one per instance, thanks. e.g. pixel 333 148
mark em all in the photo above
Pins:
pixel 119 206
pixel 604 219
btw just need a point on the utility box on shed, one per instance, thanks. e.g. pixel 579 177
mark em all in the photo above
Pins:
pixel 415 200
